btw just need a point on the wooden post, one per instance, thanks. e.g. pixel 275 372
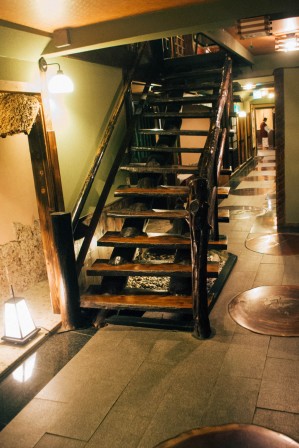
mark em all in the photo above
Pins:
pixel 46 202
pixel 199 232
pixel 68 288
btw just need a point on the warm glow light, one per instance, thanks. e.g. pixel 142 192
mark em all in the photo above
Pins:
pixel 242 113
pixel 24 372
pixel 18 323
pixel 286 43
pixel 271 95
pixel 248 86
pixel 60 83
pixel 257 94
pixel 290 44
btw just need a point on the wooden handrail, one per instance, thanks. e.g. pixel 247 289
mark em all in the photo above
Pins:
pixel 104 142
pixel 203 205
pixel 109 181
pixel 206 160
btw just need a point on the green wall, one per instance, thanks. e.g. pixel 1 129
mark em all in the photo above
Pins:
pixel 79 120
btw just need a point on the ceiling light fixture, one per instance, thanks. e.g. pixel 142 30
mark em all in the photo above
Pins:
pixel 248 86
pixel 254 27
pixel 287 42
pixel 59 83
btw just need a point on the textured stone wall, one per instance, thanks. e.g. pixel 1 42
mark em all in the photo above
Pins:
pixel 22 262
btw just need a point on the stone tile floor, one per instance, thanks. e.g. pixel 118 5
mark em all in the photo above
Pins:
pixel 134 387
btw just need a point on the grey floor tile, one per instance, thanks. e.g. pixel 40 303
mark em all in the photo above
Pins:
pixel 223 325
pixel 42 416
pixel 252 340
pixel 269 274
pixel 53 441
pixel 285 348
pixel 291 274
pixel 146 389
pixel 284 422
pixel 247 263
pixel 119 430
pixel 171 351
pixel 279 396
pixel 233 399
pixel 281 369
pixel 240 281
pixel 198 376
pixel 280 385
pixel 177 413
pixel 273 259
pixel 115 367
pixel 243 362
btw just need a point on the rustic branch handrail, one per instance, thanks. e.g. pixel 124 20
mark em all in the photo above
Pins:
pixel 109 181
pixel 206 161
pixel 203 205
pixel 104 142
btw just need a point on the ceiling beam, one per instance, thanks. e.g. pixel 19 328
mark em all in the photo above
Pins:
pixel 205 15
pixel 227 41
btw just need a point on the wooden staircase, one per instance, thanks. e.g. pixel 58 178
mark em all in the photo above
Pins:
pixel 157 196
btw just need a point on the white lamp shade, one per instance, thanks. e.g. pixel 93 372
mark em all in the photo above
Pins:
pixel 18 323
pixel 60 83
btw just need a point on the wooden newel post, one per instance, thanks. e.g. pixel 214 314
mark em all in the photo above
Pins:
pixel 68 288
pixel 199 232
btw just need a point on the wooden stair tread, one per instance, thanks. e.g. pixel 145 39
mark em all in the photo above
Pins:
pixel 137 301
pixel 200 133
pixel 143 168
pixel 223 214
pixel 161 191
pixel 149 214
pixel 166 149
pixel 197 73
pixel 199 114
pixel 155 191
pixel 187 86
pixel 226 171
pixel 157 240
pixel 155 269
pixel 223 192
pixel 194 99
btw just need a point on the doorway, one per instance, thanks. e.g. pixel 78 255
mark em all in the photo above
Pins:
pixel 29 193
pixel 261 112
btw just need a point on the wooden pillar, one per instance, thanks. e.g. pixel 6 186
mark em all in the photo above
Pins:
pixel 68 288
pixel 45 201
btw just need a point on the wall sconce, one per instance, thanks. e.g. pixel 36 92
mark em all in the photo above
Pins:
pixel 19 327
pixel 242 113
pixel 287 42
pixel 59 83
pixel 254 27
